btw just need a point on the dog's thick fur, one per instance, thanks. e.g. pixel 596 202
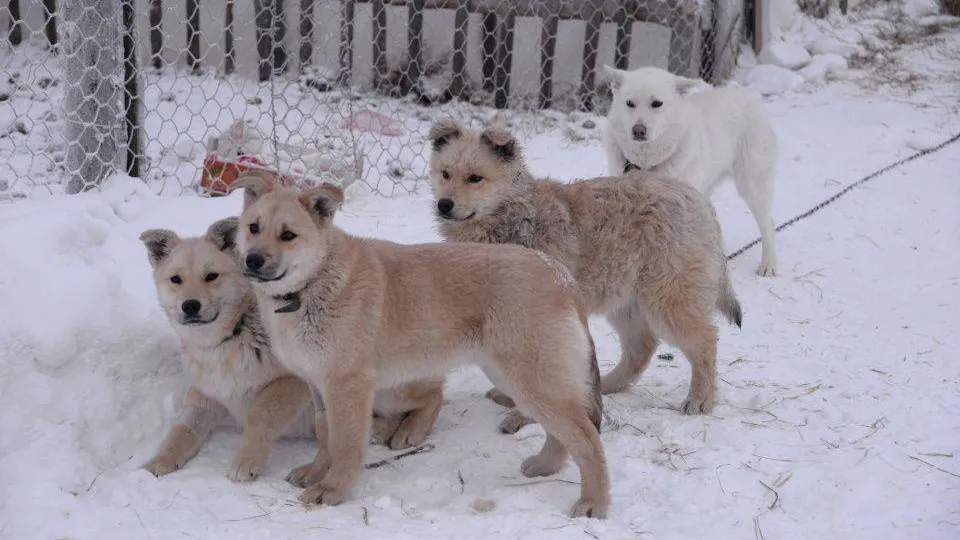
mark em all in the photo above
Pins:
pixel 645 250
pixel 699 138
pixel 232 368
pixel 350 315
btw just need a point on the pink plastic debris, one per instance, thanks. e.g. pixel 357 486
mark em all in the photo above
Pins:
pixel 374 122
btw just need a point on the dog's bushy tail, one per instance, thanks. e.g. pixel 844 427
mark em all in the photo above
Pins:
pixel 596 406
pixel 727 302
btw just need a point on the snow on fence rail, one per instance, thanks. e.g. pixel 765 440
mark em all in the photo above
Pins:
pixel 182 93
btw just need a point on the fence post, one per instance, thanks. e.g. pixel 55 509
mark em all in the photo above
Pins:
pixel 155 15
pixel 229 50
pixel 346 42
pixel 91 103
pixel 261 19
pixel 16 23
pixel 131 91
pixel 50 22
pixel 379 22
pixel 193 35
pixel 305 56
pixel 278 21
pixel 621 56
pixel 548 44
pixel 504 61
pixel 415 43
pixel 461 19
pixel 591 46
pixel 489 46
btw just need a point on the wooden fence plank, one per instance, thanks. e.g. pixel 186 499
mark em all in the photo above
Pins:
pixel 415 42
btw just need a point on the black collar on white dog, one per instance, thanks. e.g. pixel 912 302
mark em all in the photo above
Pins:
pixel 292 302
pixel 627 167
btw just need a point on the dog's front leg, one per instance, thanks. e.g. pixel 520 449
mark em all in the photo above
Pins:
pixel 198 416
pixel 278 405
pixel 348 398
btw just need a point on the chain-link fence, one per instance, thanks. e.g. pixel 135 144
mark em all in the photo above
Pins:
pixel 184 93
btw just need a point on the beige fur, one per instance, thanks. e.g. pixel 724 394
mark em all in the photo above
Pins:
pixel 351 315
pixel 232 368
pixel 645 250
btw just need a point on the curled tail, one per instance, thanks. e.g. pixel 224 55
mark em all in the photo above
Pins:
pixel 596 406
pixel 727 302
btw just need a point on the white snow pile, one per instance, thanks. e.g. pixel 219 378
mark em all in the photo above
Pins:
pixel 802 51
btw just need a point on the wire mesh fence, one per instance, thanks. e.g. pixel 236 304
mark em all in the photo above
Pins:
pixel 184 94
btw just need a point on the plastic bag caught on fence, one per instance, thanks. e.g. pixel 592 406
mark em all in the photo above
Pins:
pixel 242 148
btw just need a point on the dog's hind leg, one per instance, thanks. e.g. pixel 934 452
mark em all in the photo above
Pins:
pixel 693 332
pixel 276 407
pixel 753 176
pixel 638 343
pixel 418 423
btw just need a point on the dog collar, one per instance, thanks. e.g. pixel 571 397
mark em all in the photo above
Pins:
pixel 292 302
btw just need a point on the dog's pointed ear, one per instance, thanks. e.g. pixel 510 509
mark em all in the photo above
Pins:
pixel 443 132
pixel 685 84
pixel 614 76
pixel 223 233
pixel 501 141
pixel 322 201
pixel 159 243
pixel 255 184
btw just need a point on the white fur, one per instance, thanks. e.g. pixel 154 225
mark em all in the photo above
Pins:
pixel 699 138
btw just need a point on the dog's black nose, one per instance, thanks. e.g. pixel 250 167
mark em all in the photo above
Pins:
pixel 255 261
pixel 639 132
pixel 445 206
pixel 190 307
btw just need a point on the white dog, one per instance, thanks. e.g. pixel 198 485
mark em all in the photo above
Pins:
pixel 699 138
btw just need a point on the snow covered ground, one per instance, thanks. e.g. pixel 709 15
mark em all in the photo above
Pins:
pixel 838 398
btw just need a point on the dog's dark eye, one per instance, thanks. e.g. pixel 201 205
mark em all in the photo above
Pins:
pixel 656 104
pixel 287 236
pixel 445 175
pixel 631 104
pixel 176 280
pixel 474 178
pixel 254 228
pixel 212 276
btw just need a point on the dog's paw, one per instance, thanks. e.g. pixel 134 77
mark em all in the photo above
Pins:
pixel 383 429
pixel 500 398
pixel 767 269
pixel 245 470
pixel 514 421
pixel 321 493
pixel 410 433
pixel 162 465
pixel 588 507
pixel 307 475
pixel 538 465
pixel 698 405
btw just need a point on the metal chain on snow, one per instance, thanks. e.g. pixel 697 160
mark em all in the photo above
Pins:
pixel 849 187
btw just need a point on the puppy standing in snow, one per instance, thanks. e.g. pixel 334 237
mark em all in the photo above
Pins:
pixel 699 138
pixel 350 315
pixel 645 250
pixel 232 368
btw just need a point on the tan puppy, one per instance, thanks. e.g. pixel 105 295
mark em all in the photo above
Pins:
pixel 645 250
pixel 231 366
pixel 350 315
